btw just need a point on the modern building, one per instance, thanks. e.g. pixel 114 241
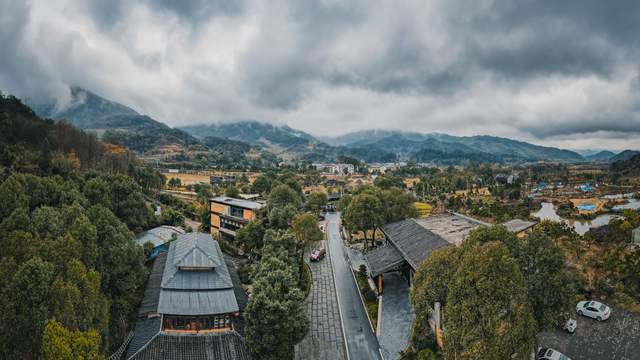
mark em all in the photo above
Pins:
pixel 192 305
pixel 159 237
pixel 230 214
pixel 409 242
pixel 342 169
pixel 519 227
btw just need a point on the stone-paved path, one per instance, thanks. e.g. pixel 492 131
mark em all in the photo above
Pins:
pixel 325 340
pixel 396 316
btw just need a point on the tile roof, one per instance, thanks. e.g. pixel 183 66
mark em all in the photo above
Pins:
pixel 413 241
pixel 247 204
pixel 196 292
pixel 152 290
pixel 518 225
pixel 146 329
pixel 383 258
pixel 453 228
pixel 158 235
pixel 221 346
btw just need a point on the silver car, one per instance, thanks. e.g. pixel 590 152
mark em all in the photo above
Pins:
pixel 593 309
pixel 551 354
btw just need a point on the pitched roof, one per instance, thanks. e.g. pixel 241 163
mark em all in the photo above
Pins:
pixel 518 225
pixel 452 227
pixel 383 258
pixel 158 235
pixel 196 292
pixel 146 329
pixel 152 290
pixel 247 204
pixel 413 241
pixel 221 346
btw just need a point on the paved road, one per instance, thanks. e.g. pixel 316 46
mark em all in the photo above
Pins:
pixel 361 341
pixel 396 316
pixel 324 340
pixel 617 338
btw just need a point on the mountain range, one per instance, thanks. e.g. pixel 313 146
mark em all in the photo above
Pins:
pixel 118 123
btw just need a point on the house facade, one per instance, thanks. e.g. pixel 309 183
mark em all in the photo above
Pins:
pixel 193 289
pixel 230 214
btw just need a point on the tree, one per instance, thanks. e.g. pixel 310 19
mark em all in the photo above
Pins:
pixel 364 213
pixel 231 191
pixel 316 201
pixel 60 343
pixel 12 196
pixel 397 204
pixel 388 181
pixel 487 314
pixel 550 285
pixel 250 236
pixel 261 185
pixel 275 318
pixel 281 196
pixel 281 217
pixel 174 182
pixel 306 229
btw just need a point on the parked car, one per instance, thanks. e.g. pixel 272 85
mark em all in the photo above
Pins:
pixel 551 354
pixel 593 309
pixel 318 254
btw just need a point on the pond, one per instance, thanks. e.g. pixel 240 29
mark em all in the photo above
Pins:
pixel 548 212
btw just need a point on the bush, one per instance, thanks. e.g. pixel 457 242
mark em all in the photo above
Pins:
pixel 370 296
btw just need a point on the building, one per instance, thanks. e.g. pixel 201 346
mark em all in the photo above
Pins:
pixel 230 214
pixel 409 242
pixel 159 237
pixel 192 305
pixel 519 227
pixel 222 180
pixel 342 169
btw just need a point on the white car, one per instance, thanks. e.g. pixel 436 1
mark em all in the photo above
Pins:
pixel 593 309
pixel 551 354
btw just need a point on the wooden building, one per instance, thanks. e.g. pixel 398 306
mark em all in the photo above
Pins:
pixel 230 214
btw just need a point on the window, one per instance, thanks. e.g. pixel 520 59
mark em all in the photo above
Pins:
pixel 236 211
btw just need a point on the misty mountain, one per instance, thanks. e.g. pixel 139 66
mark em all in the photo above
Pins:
pixel 113 122
pixel 431 147
pixel 602 156
pixel 624 155
pixel 281 140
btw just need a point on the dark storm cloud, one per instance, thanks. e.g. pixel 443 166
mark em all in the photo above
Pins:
pixel 525 68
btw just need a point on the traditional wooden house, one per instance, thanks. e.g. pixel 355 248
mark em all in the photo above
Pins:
pixel 192 305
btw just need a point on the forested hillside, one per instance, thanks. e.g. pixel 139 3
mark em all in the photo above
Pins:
pixel 70 272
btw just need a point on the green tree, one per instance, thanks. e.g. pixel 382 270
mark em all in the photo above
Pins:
pixel 364 213
pixel 250 236
pixel 282 195
pixel 231 191
pixel 389 181
pixel 397 204
pixel 12 196
pixel 60 343
pixel 275 318
pixel 316 201
pixel 487 313
pixel 281 217
pixel 261 185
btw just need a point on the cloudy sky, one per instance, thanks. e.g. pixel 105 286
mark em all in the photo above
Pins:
pixel 563 73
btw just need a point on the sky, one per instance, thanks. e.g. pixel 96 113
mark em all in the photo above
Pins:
pixel 560 73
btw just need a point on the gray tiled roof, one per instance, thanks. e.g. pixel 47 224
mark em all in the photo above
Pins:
pixel 413 241
pixel 146 329
pixel 518 225
pixel 222 346
pixel 196 292
pixel 159 235
pixel 152 290
pixel 247 204
pixel 383 258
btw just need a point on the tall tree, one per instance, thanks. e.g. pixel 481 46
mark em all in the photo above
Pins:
pixel 316 201
pixel 487 313
pixel 60 343
pixel 364 213
pixel 283 195
pixel 250 237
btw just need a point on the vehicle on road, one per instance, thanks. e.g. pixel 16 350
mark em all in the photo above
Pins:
pixel 593 309
pixel 551 354
pixel 318 254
